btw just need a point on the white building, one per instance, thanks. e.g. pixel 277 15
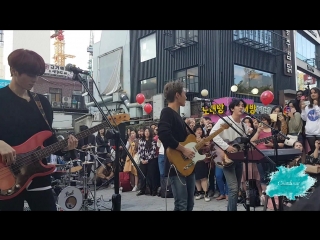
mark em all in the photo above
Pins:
pixel 111 72
pixel 35 40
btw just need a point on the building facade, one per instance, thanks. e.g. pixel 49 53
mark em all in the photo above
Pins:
pixel 214 60
pixel 307 49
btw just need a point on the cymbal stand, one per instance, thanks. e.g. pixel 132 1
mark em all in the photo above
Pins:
pixel 85 184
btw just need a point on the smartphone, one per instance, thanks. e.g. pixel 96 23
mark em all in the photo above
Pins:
pixel 287 109
pixel 306 102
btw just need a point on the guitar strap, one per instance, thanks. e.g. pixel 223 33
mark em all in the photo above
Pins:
pixel 39 105
pixel 190 130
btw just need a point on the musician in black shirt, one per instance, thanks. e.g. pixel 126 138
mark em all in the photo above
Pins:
pixel 20 119
pixel 171 131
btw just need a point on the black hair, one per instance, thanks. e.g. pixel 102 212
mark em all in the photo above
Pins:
pixel 199 126
pixel 266 117
pixel 150 139
pixel 236 102
pixel 250 120
pixel 275 107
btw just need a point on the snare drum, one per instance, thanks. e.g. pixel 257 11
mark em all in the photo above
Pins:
pixel 70 199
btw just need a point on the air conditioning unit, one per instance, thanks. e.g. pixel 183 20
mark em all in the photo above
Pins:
pixel 66 101
pixel 186 110
pixel 97 116
pixel 55 104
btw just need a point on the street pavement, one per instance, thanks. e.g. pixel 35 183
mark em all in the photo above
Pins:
pixel 131 202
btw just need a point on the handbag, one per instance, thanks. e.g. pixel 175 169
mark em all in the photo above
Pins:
pixel 292 139
pixel 136 158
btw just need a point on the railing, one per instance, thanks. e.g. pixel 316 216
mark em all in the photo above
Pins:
pixel 181 39
pixel 263 40
pixel 311 61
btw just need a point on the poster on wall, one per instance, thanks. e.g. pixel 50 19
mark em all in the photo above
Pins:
pixel 56 70
pixel 303 79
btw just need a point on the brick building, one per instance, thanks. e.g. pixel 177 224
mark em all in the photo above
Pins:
pixel 62 93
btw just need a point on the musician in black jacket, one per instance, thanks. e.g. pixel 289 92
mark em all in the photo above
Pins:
pixel 172 130
pixel 21 119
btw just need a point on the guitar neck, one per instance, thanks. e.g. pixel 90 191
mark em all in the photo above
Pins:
pixel 200 144
pixel 262 140
pixel 64 143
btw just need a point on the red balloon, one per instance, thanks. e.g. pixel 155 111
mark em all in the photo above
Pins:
pixel 147 108
pixel 266 97
pixel 140 98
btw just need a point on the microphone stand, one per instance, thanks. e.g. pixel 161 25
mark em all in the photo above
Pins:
pixel 275 134
pixel 247 144
pixel 111 133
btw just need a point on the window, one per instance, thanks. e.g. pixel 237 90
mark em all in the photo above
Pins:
pixel 246 79
pixel 189 77
pixel 183 36
pixel 306 50
pixel 149 88
pixel 56 94
pixel 304 79
pixel 260 36
pixel 148 48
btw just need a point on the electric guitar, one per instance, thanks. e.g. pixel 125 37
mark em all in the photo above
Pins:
pixel 222 159
pixel 184 165
pixel 17 176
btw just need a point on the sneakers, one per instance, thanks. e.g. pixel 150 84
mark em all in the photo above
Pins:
pixel 199 195
pixel 216 194
pixel 207 198
pixel 134 189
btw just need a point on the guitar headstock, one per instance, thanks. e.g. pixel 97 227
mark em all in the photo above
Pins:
pixel 119 118
pixel 224 126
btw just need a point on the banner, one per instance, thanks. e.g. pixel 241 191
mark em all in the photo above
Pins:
pixel 221 106
pixel 4 83
pixel 56 70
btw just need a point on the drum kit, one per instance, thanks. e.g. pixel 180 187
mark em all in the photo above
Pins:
pixel 70 183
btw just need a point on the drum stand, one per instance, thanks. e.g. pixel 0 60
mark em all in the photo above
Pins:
pixel 86 188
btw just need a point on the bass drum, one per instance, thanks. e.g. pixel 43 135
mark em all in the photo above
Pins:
pixel 70 199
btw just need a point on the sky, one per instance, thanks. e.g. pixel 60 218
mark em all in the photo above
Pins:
pixel 76 43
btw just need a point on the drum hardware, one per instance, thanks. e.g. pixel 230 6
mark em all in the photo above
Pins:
pixel 70 199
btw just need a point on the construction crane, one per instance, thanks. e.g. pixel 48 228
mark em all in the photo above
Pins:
pixel 59 55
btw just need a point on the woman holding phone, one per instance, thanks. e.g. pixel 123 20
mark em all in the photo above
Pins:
pixel 294 120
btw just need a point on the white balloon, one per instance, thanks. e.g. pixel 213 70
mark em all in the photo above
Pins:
pixel 234 88
pixel 204 92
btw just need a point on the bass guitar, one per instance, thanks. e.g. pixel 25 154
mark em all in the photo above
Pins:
pixel 222 160
pixel 184 165
pixel 28 165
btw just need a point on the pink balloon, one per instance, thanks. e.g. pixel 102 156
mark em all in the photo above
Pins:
pixel 147 108
pixel 266 97
pixel 140 98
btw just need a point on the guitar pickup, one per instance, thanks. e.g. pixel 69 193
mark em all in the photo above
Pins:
pixel 188 166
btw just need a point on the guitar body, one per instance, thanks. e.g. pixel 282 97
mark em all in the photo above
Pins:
pixel 16 177
pixel 184 165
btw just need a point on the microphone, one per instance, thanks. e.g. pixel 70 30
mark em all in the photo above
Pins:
pixel 72 68
pixel 244 112
pixel 196 99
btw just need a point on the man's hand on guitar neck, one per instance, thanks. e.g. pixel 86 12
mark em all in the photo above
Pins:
pixel 231 149
pixel 8 154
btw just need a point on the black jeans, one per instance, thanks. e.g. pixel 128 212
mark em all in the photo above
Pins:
pixel 151 172
pixel 37 201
